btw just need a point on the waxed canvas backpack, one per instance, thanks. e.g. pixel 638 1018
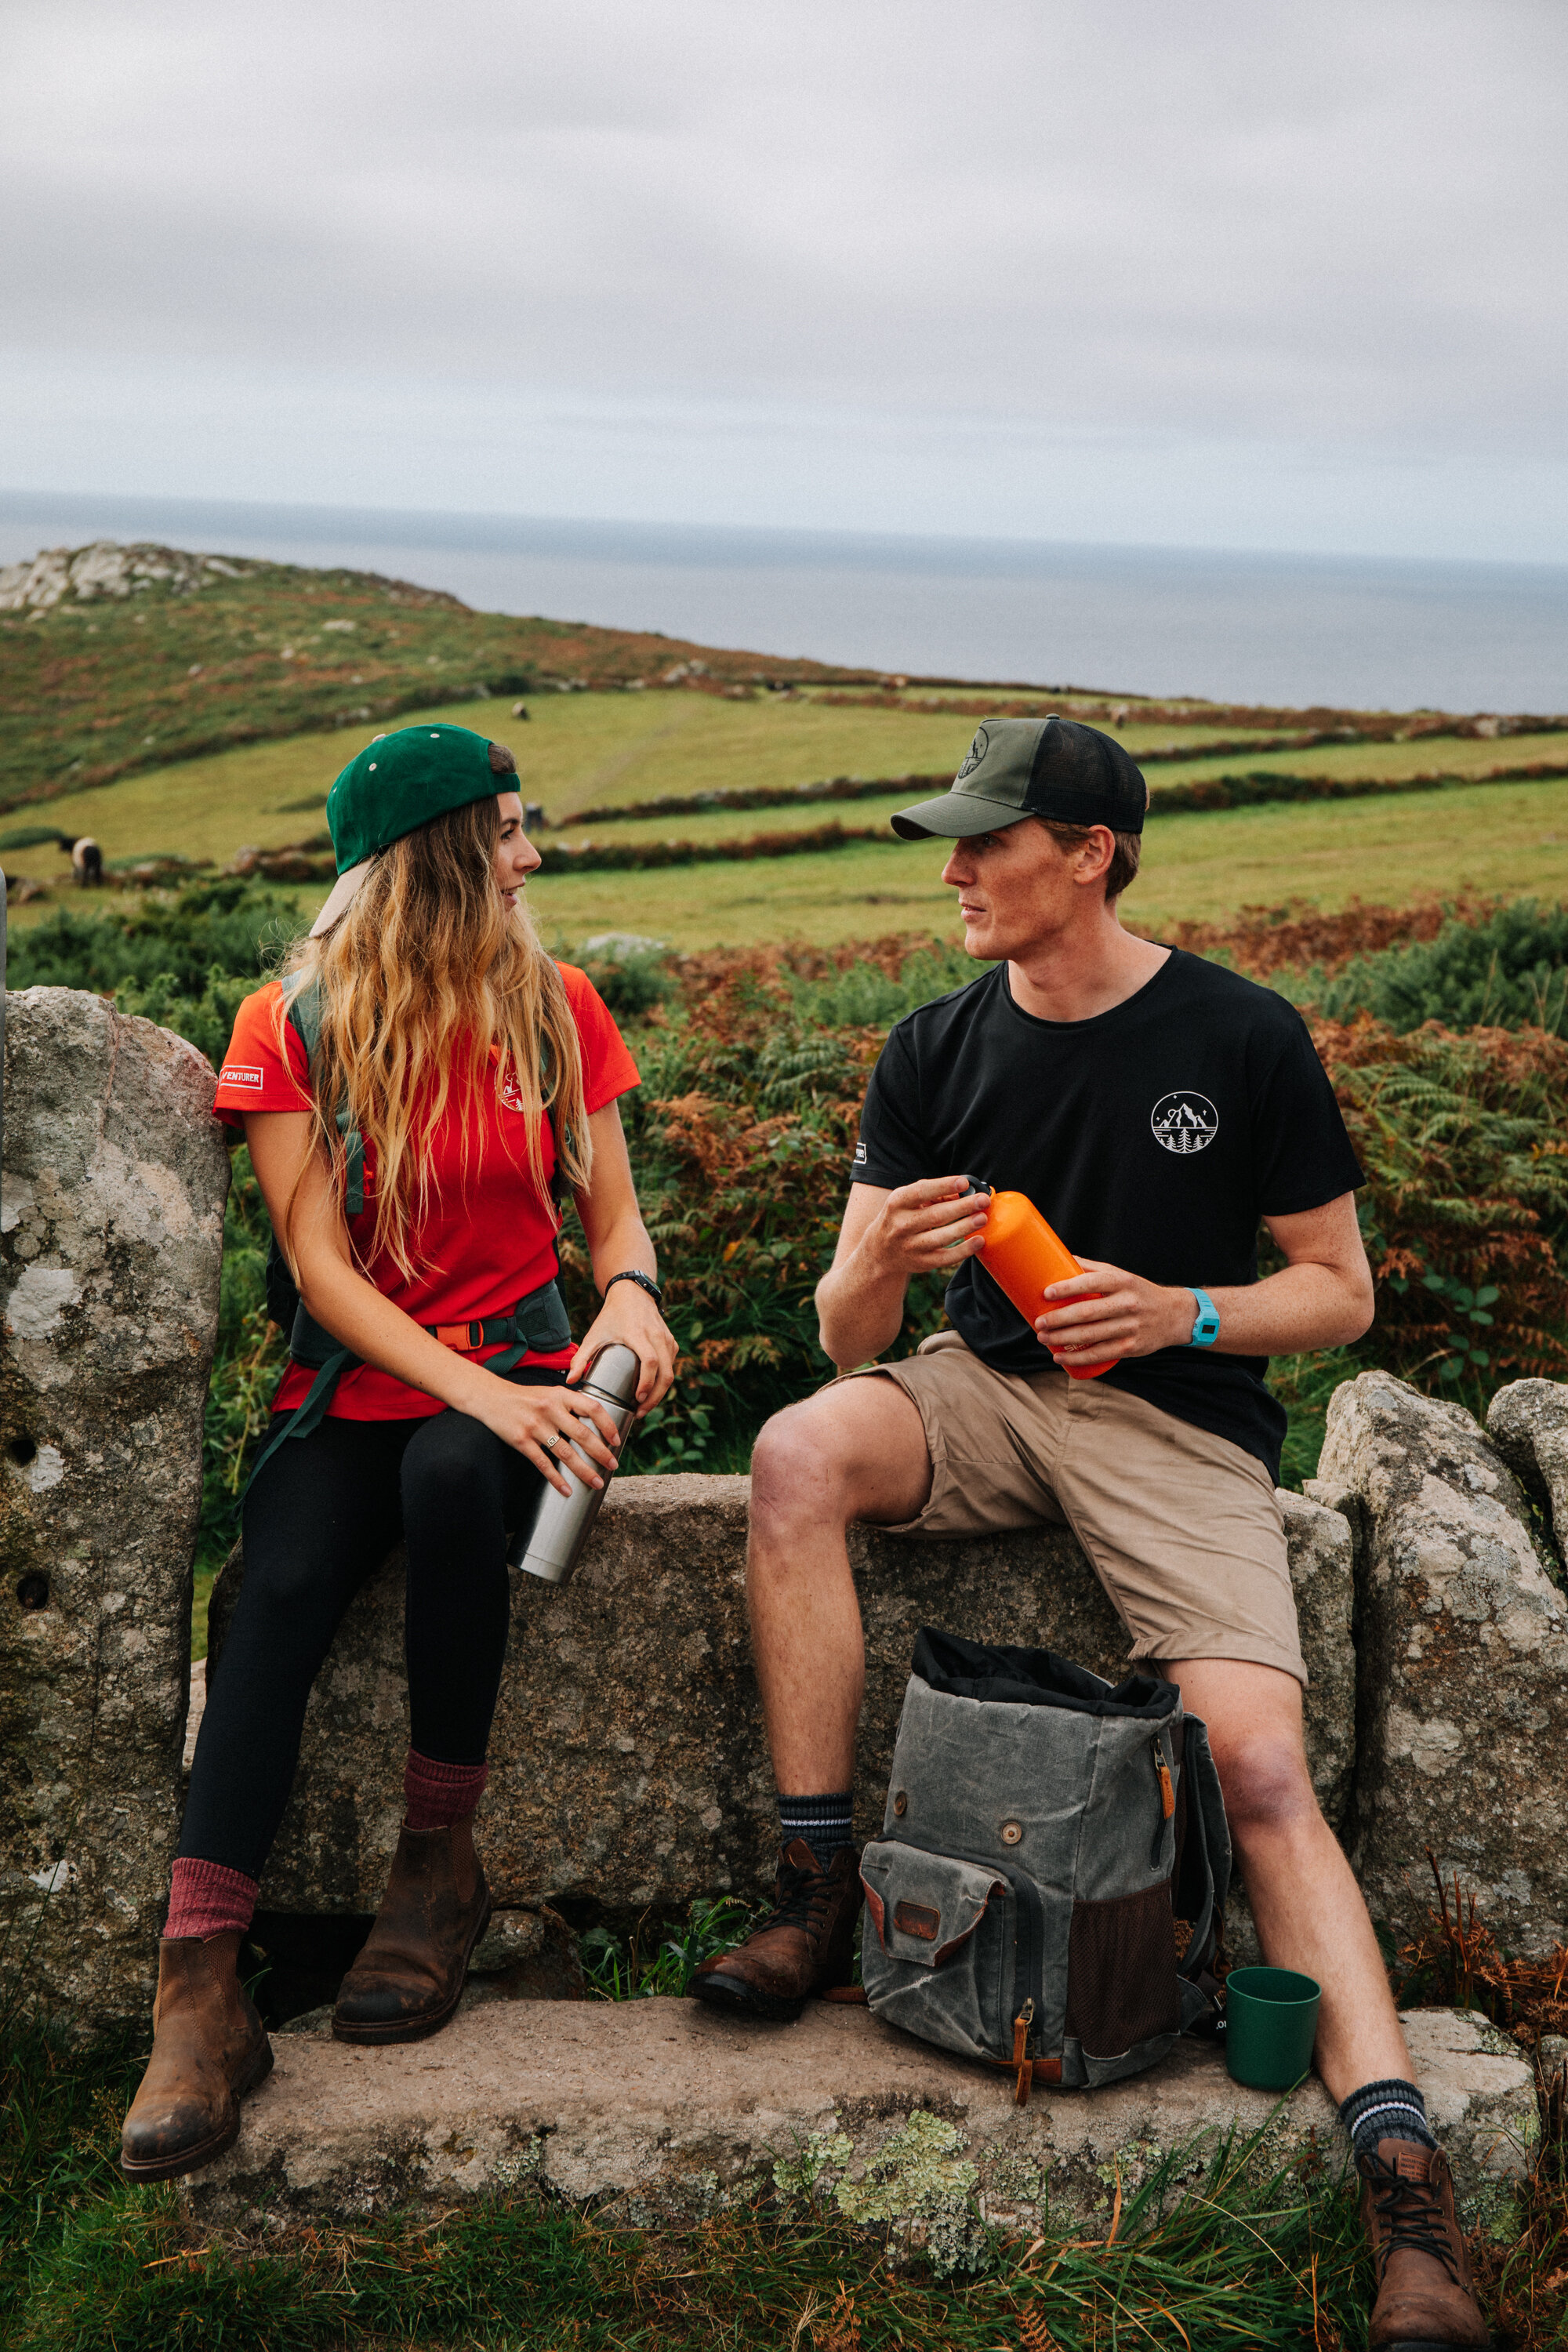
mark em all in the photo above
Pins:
pixel 1048 1891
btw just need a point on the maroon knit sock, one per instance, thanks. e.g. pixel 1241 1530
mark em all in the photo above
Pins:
pixel 205 1899
pixel 440 1794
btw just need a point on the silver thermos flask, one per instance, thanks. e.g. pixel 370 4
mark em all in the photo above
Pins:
pixel 551 1544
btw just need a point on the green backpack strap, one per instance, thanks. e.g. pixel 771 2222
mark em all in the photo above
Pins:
pixel 305 1020
pixel 308 1342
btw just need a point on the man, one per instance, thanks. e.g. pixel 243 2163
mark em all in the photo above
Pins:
pixel 1155 1107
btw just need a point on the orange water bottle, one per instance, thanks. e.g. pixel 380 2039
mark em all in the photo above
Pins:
pixel 1022 1256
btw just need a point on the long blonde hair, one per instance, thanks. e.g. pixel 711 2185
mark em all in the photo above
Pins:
pixel 423 975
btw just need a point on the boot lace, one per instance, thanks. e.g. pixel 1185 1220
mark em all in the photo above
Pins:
pixel 800 1899
pixel 1411 2214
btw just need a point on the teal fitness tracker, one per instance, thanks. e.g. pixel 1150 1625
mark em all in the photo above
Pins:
pixel 1206 1329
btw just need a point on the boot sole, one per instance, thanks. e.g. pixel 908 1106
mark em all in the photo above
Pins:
pixel 191 2159
pixel 415 2028
pixel 739 1999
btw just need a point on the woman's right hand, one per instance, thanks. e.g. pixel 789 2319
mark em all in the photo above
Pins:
pixel 533 1420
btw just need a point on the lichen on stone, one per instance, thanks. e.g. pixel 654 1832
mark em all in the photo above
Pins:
pixel 919 2185
pixel 795 2178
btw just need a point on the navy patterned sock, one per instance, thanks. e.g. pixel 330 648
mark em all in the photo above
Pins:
pixel 824 1822
pixel 1386 2110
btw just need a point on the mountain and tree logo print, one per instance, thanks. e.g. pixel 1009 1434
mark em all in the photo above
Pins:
pixel 1184 1121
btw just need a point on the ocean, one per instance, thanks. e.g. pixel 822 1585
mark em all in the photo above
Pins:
pixel 1270 628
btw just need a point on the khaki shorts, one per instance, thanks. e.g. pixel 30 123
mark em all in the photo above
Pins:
pixel 1184 1528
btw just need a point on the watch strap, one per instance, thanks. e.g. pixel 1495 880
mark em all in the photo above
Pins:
pixel 644 1282
pixel 1206 1326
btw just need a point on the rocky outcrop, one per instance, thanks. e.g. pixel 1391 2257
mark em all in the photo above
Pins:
pixel 628 1768
pixel 113 1190
pixel 106 569
pixel 1462 1656
pixel 660 2111
pixel 1528 1423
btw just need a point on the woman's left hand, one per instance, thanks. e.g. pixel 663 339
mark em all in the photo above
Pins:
pixel 629 1317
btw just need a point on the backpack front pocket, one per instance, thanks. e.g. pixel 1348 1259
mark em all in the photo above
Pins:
pixel 939 1954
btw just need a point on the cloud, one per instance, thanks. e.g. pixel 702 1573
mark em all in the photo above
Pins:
pixel 1323 238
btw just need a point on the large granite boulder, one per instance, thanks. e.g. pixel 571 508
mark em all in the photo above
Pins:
pixel 1462 1655
pixel 629 1769
pixel 113 1187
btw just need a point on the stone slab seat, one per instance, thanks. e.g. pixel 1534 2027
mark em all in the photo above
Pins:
pixel 627 1764
pixel 656 2112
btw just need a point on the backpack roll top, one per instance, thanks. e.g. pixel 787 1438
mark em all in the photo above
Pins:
pixel 1044 1894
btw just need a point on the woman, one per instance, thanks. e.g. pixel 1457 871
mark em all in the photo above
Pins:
pixel 458 1076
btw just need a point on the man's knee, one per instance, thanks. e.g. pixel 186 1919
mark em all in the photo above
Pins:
pixel 1266 1786
pixel 799 1467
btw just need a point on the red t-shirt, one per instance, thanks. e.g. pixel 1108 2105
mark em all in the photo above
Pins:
pixel 482 1245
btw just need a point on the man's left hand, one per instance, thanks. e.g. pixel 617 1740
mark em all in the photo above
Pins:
pixel 1128 1317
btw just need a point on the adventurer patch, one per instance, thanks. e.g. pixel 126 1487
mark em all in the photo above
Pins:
pixel 1184 1122
pixel 241 1074
pixel 975 753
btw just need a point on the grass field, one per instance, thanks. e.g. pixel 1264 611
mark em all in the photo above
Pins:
pixel 575 752
pixel 586 749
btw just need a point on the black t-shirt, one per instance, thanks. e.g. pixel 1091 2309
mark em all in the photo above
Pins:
pixel 1154 1136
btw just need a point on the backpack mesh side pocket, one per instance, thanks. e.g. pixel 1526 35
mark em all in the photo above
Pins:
pixel 1121 1972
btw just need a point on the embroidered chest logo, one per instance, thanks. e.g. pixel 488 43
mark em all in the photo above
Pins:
pixel 1184 1121
pixel 510 1092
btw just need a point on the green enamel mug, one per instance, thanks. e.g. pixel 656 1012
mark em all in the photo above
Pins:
pixel 1271 2023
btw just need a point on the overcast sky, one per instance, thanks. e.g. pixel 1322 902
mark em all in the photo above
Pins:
pixel 1253 275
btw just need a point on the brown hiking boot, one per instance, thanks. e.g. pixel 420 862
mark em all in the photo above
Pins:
pixel 209 2047
pixel 1426 2299
pixel 407 1980
pixel 805 1946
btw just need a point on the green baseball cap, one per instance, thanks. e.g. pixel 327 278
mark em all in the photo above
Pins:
pixel 398 783
pixel 1034 767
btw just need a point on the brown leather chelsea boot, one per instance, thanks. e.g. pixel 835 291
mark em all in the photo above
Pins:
pixel 209 2047
pixel 1425 2297
pixel 407 1980
pixel 807 1946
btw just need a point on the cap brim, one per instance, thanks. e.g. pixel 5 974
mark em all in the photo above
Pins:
pixel 339 897
pixel 955 816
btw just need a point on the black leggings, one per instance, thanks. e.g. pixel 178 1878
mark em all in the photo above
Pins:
pixel 321 1518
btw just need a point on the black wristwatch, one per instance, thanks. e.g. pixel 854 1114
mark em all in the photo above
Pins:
pixel 644 1282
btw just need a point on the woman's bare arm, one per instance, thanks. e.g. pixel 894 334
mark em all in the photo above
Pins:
pixel 617 1240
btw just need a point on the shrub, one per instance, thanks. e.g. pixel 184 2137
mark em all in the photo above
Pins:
pixel 1503 972
pixel 229 928
pixel 1466 1205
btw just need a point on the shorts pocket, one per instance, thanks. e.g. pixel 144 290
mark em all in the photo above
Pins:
pixel 1121 1972
pixel 937 1955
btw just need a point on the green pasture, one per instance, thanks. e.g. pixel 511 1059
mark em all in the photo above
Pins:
pixel 583 750
pixel 1507 839
pixel 1511 839
pixel 579 750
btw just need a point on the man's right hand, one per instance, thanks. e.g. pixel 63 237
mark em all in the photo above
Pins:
pixel 919 1230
